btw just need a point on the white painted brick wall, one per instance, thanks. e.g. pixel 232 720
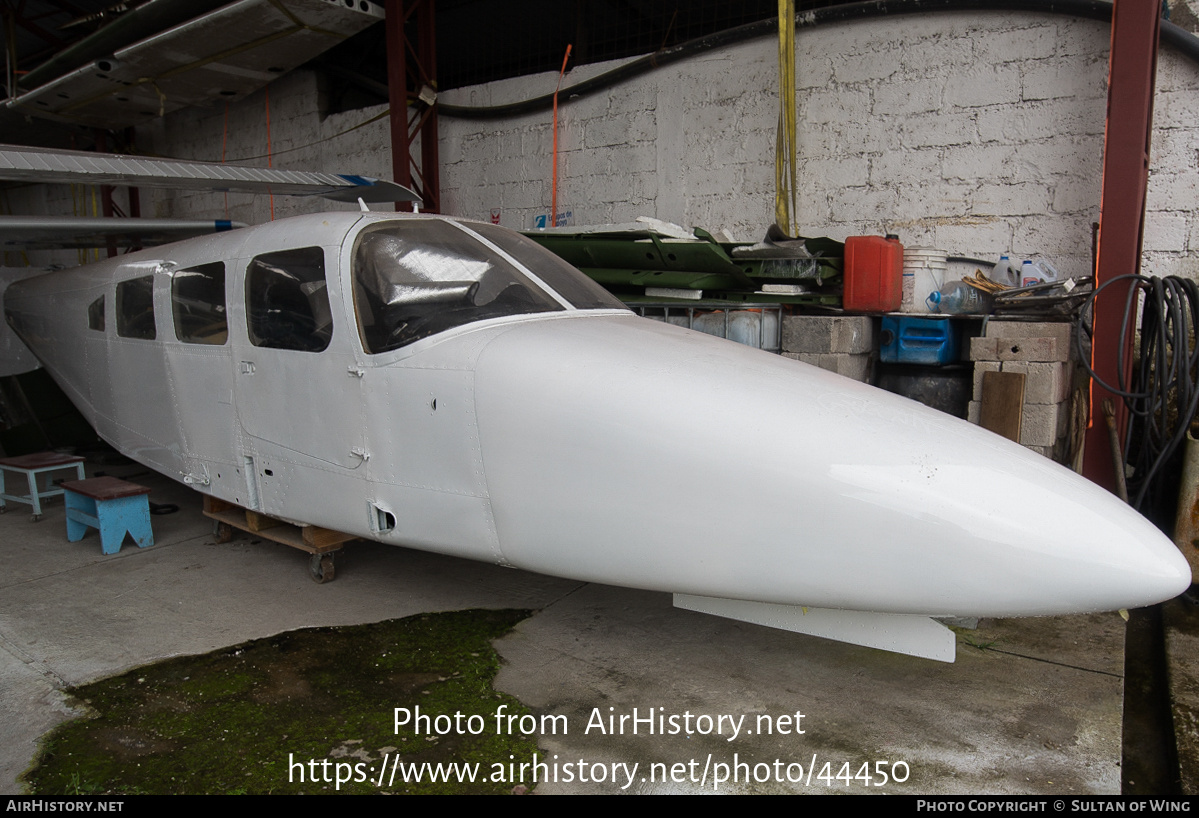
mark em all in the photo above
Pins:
pixel 973 132
pixel 977 133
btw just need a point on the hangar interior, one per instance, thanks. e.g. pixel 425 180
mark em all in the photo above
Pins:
pixel 816 191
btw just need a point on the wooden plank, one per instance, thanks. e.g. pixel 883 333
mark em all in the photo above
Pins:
pixel 1002 406
pixel 259 522
pixel 322 538
pixel 309 538
pixel 104 488
pixel 212 504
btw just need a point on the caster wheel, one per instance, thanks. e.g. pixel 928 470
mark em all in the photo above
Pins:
pixel 320 566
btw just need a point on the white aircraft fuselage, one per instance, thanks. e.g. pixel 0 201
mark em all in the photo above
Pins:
pixel 449 386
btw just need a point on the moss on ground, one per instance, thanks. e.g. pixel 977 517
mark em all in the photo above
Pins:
pixel 248 719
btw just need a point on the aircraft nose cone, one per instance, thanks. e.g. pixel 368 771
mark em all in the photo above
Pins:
pixel 626 451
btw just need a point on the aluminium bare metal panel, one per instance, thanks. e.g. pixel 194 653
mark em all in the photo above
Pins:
pixel 56 232
pixel 221 56
pixel 46 166
pixel 15 357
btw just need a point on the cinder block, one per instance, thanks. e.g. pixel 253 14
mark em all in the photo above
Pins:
pixel 903 99
pixel 1045 383
pixel 974 410
pixel 813 358
pixel 1039 424
pixel 1030 349
pixel 1021 330
pixel 856 367
pixel 1021 197
pixel 979 368
pixel 984 349
pixel 1044 451
pixel 993 85
pixel 809 334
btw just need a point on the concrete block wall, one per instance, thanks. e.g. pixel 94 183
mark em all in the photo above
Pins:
pixel 972 132
pixel 302 137
pixel 842 344
pixel 975 133
pixel 1171 214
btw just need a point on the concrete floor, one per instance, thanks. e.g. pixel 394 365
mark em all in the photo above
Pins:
pixel 1030 706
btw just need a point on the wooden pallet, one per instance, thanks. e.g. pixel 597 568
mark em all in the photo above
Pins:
pixel 321 543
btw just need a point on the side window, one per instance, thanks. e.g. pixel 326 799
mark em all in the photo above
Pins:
pixel 95 314
pixel 287 302
pixel 198 304
pixel 135 308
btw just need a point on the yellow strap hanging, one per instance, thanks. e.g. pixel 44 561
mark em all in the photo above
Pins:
pixel 784 151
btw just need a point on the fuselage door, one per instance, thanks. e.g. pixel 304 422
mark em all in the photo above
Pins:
pixel 296 380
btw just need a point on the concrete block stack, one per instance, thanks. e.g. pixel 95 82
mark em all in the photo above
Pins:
pixel 839 343
pixel 1044 353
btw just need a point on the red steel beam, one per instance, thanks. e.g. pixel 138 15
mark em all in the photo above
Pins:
pixel 1131 70
pixel 410 68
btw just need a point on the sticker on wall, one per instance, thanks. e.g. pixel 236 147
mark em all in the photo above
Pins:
pixel 495 215
pixel 542 220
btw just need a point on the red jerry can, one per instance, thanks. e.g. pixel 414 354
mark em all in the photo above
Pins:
pixel 873 274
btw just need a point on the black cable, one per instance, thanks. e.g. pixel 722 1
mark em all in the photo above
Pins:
pixel 1099 10
pixel 1162 391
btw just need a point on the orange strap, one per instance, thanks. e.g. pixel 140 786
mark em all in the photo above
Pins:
pixel 554 188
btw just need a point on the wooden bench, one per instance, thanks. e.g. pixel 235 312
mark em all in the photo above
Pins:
pixel 31 465
pixel 113 506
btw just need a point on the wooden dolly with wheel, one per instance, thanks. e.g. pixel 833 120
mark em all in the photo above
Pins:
pixel 321 543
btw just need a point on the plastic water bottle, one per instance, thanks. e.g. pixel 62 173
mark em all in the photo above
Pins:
pixel 959 298
pixel 1030 274
pixel 1048 271
pixel 1003 271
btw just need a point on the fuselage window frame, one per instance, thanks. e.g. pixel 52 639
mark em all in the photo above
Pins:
pixel 287 300
pixel 95 315
pixel 135 308
pixel 198 304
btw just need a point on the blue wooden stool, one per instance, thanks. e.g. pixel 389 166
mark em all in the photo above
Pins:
pixel 113 506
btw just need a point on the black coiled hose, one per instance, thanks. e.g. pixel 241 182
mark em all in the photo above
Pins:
pixel 1162 392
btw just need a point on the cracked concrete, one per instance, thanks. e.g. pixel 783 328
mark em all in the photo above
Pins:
pixel 1031 706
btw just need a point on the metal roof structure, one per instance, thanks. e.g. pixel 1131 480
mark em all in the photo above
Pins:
pixel 223 55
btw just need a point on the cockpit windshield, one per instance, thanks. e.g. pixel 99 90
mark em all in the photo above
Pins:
pixel 574 286
pixel 415 278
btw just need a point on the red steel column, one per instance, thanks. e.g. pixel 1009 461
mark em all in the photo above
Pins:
pixel 1131 70
pixel 412 69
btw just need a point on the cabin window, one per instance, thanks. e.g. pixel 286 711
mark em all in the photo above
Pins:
pixel 566 280
pixel 198 303
pixel 413 279
pixel 95 314
pixel 287 300
pixel 135 308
